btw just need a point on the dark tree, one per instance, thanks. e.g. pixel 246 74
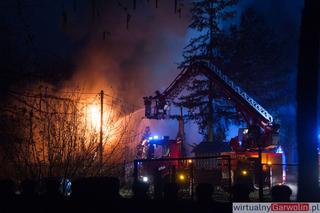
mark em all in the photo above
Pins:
pixel 307 93
pixel 207 19
pixel 254 57
pixel 208 16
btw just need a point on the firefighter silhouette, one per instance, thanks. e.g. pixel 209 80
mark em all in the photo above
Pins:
pixel 253 139
pixel 161 107
pixel 142 147
pixel 235 144
pixel 147 104
pixel 145 149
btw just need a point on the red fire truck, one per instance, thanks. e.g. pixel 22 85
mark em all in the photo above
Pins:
pixel 261 135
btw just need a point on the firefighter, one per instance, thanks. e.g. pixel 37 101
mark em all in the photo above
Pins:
pixel 142 147
pixel 253 139
pixel 147 103
pixel 235 144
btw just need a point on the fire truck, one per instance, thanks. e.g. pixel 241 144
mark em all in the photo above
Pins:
pixel 260 137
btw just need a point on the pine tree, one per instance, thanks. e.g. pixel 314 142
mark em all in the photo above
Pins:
pixel 196 101
pixel 208 17
pixel 254 58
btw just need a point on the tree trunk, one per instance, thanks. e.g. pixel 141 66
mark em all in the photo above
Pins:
pixel 307 85
pixel 210 113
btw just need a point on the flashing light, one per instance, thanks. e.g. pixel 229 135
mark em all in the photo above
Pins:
pixel 279 150
pixel 189 161
pixel 182 177
pixel 145 179
pixel 244 172
pixel 155 137
pixel 245 131
pixel 269 163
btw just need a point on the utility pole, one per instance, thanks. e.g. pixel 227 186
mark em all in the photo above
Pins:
pixel 101 129
pixel 181 134
pixel 260 176
pixel 210 110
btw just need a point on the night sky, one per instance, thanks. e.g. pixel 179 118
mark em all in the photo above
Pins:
pixel 95 40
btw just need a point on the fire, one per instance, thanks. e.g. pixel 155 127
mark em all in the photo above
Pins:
pixel 94 116
pixel 114 121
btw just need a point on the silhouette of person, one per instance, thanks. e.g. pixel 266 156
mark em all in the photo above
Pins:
pixel 52 187
pixel 204 192
pixel 281 193
pixel 240 192
pixel 28 188
pixel 140 190
pixel 7 188
pixel 170 191
pixel 7 195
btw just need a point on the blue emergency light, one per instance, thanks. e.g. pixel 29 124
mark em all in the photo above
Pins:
pixel 155 137
pixel 279 150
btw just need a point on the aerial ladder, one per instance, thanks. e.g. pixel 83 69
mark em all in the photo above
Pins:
pixel 257 117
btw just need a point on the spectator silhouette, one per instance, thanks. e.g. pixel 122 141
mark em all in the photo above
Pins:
pixel 170 192
pixel 204 192
pixel 29 199
pixel 7 195
pixel 96 187
pixel 140 190
pixel 240 192
pixel 7 188
pixel 281 193
pixel 52 187
pixel 113 188
pixel 28 188
pixel 80 188
pixel 107 188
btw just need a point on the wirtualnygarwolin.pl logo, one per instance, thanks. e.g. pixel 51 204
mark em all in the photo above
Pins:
pixel 275 207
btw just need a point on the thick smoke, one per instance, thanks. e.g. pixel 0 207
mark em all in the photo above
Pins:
pixel 129 63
